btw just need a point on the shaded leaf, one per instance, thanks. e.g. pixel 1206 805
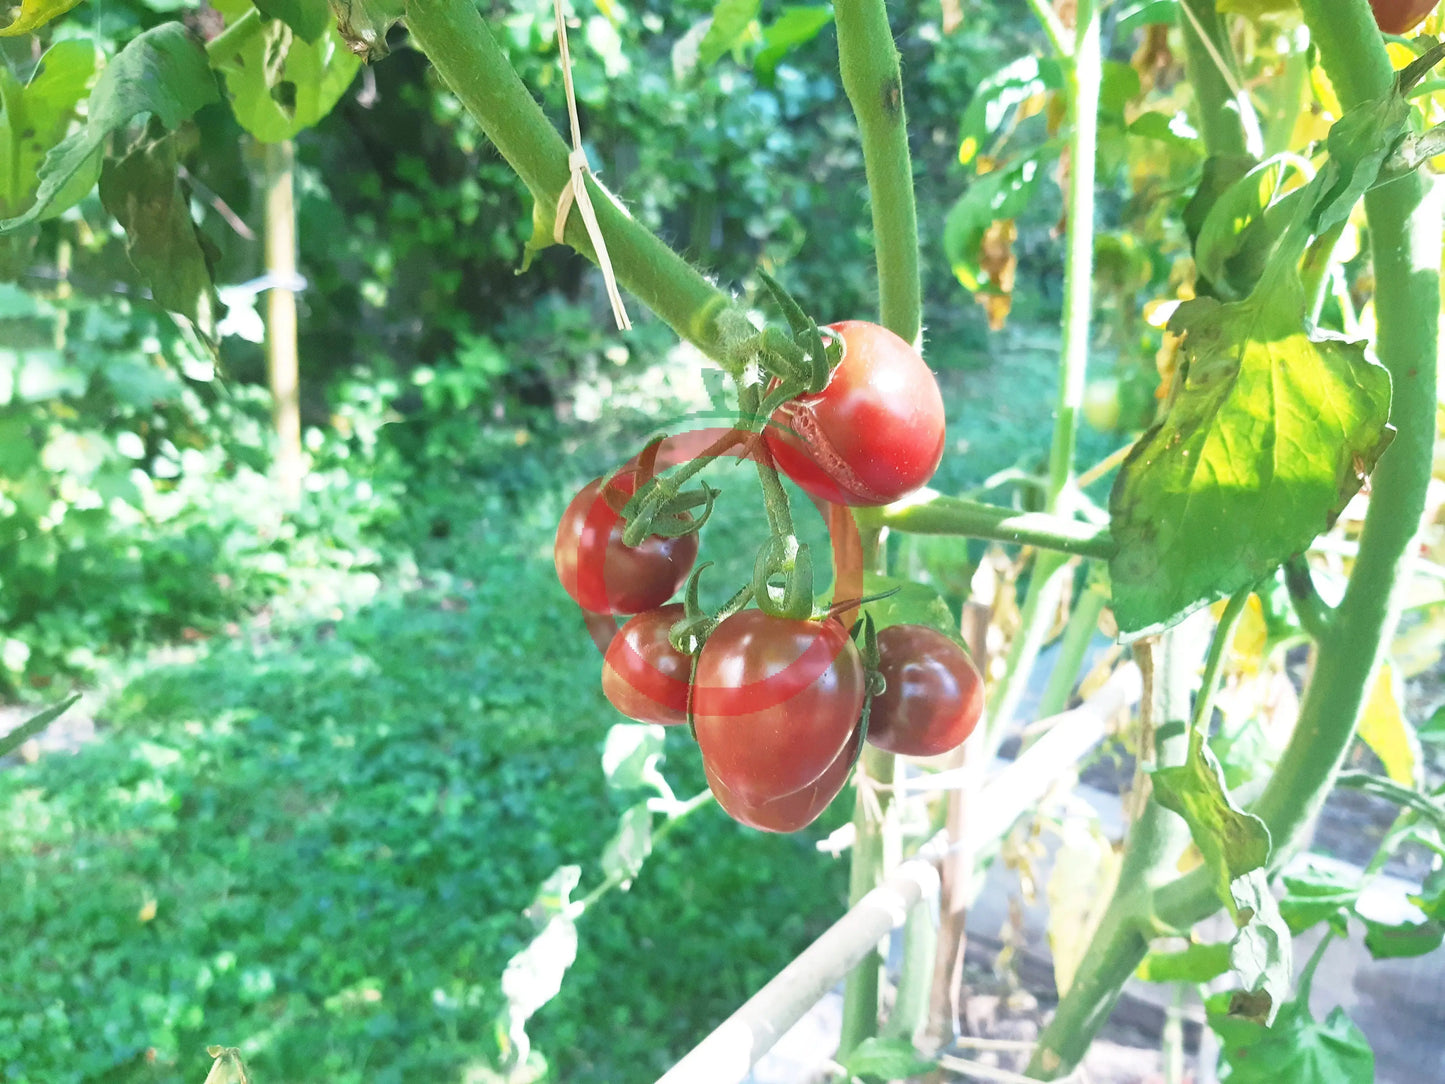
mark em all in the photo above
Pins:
pixel 1297 1049
pixel 1394 940
pixel 308 18
pixel 794 27
pixel 1020 83
pixel 911 603
pixel 629 847
pixel 1267 435
pixel 35 725
pixel 886 1059
pixel 142 192
pixel 163 72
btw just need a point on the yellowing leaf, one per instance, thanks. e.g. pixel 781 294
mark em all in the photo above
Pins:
pixel 1080 884
pixel 1251 636
pixel 1384 729
pixel 35 14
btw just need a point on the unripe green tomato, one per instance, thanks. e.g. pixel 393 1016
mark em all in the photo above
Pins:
pixel 1101 404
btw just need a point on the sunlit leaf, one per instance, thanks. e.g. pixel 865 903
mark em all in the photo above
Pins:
pixel 910 603
pixel 163 72
pixel 989 198
pixel 280 84
pixel 730 21
pixel 1317 893
pixel 35 14
pixel 630 752
pixel 1384 729
pixel 1197 963
pixel 1268 434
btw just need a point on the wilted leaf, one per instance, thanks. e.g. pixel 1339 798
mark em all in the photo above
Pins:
pixel 1268 434
pixel 1080 884
pixel 990 198
pixel 363 24
pixel 1384 729
pixel 142 192
pixel 163 72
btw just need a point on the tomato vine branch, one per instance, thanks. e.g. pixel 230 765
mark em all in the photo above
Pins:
pixel 937 514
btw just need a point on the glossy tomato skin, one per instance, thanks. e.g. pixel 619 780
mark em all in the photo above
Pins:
pixel 605 576
pixel 1401 16
pixel 789 812
pixel 874 434
pixel 643 675
pixel 774 701
pixel 934 694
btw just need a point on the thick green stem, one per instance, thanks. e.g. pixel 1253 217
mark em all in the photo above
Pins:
pixel 1213 74
pixel 868 62
pixel 1154 843
pixel 457 41
pixel 974 519
pixel 1083 76
pixel 860 996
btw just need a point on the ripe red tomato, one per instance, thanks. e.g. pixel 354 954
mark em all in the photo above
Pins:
pixel 789 812
pixel 644 676
pixel 1401 16
pixel 934 696
pixel 601 573
pixel 774 701
pixel 874 433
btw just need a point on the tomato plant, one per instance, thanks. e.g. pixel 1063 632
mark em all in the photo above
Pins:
pixel 643 675
pixel 788 812
pixel 934 694
pixel 1401 16
pixel 774 702
pixel 874 433
pixel 601 572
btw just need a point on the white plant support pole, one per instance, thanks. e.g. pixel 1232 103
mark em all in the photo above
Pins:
pixel 726 1055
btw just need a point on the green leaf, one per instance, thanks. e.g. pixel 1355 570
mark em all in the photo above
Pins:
pixel 1268 434
pixel 35 14
pixel 910 604
pixel 35 117
pixel 886 1059
pixel 1147 13
pixel 1317 893
pixel 142 192
pixel 631 752
pixel 1001 194
pixel 1432 730
pixel 998 94
pixel 794 27
pixel 730 21
pixel 163 72
pixel 34 725
pixel 280 84
pixel 1235 846
pixel 629 847
pixel 1393 940
pixel 1243 223
pixel 1296 1050
pixel 363 24
pixel 1358 144
pixel 308 18
pixel 1197 963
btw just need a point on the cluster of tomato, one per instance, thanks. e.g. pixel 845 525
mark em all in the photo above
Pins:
pixel 777 705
